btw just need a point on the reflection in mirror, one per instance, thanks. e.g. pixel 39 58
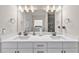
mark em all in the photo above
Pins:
pixel 39 18
pixel 38 25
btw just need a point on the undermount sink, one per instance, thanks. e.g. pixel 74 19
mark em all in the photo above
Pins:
pixel 24 37
pixel 55 37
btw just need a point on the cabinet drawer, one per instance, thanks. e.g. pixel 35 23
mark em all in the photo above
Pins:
pixel 70 45
pixel 9 45
pixel 40 45
pixel 8 50
pixel 25 50
pixel 24 45
pixel 54 50
pixel 40 50
pixel 55 45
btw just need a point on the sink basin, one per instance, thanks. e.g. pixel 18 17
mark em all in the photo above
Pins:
pixel 55 37
pixel 24 37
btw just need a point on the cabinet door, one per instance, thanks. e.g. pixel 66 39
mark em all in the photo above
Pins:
pixel 70 51
pixel 9 45
pixel 0 47
pixel 8 51
pixel 69 45
pixel 25 45
pixel 55 45
pixel 54 50
pixel 25 50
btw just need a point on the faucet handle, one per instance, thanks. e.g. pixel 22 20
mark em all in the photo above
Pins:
pixel 54 34
pixel 19 33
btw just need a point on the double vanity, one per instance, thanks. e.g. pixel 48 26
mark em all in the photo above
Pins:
pixel 39 44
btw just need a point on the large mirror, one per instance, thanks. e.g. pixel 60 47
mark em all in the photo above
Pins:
pixel 39 18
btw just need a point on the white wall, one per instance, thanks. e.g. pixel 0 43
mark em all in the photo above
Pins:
pixel 72 27
pixel 7 12
pixel 58 21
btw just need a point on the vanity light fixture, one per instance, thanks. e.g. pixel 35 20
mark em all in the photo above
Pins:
pixel 58 9
pixel 52 8
pixel 21 9
pixel 12 20
pixel 47 9
pixel 67 20
pixel 26 9
pixel 32 8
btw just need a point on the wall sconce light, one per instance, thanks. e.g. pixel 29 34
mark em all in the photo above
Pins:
pixel 12 20
pixel 67 20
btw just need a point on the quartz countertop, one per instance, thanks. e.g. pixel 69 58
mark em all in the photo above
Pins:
pixel 38 38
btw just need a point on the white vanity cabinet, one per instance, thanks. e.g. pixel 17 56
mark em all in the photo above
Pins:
pixel 55 47
pixel 17 47
pixel 40 47
pixel 9 50
pixel 25 47
pixel 70 47
pixel 0 47
pixel 9 47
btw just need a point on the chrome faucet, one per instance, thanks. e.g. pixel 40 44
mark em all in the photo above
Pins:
pixel 54 33
pixel 3 30
pixel 25 33
pixel 34 33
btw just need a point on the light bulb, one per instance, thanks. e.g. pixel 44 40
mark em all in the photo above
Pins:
pixel 32 9
pixel 58 9
pixel 26 9
pixel 20 8
pixel 47 8
pixel 53 7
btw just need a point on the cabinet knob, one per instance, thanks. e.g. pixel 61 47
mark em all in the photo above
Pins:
pixel 40 51
pixel 62 51
pixel 17 51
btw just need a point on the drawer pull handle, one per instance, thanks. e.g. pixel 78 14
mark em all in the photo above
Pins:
pixel 40 45
pixel 62 51
pixel 40 51
pixel 15 51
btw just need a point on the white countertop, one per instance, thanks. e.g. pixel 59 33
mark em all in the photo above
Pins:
pixel 44 38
